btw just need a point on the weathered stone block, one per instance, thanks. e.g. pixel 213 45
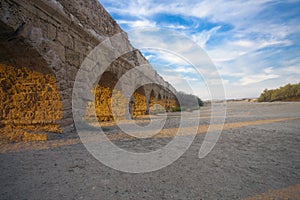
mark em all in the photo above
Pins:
pixel 72 57
pixel 64 37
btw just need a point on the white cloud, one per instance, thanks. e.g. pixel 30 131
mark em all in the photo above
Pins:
pixel 244 43
pixel 268 70
pixel 257 78
pixel 231 50
pixel 138 23
pixel 182 69
pixel 268 43
pixel 293 69
pixel 171 58
pixel 173 79
pixel 149 57
pixel 202 37
pixel 172 26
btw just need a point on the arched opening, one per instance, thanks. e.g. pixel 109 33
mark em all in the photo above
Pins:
pixel 103 99
pixel 160 107
pixel 152 102
pixel 30 106
pixel 173 103
pixel 159 99
pixel 167 104
pixel 139 103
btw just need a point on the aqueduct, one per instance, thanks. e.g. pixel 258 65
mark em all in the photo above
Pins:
pixel 42 46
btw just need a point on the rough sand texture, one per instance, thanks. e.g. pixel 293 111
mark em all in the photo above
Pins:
pixel 257 155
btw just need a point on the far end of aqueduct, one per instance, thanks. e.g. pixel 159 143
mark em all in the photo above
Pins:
pixel 42 46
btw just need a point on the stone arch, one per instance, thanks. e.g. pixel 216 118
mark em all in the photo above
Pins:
pixel 167 104
pixel 103 93
pixel 165 100
pixel 173 102
pixel 160 103
pixel 31 106
pixel 105 88
pixel 139 106
pixel 159 96
pixel 152 101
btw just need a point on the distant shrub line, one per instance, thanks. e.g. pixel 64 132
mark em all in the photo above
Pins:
pixel 288 92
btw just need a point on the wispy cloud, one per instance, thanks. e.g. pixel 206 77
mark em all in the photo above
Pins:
pixel 253 43
pixel 202 37
pixel 257 78
pixel 137 23
pixel 182 69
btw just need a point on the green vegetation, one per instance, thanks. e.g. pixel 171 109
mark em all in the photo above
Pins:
pixel 188 102
pixel 288 92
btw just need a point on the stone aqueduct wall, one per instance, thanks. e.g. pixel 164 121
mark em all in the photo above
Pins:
pixel 42 45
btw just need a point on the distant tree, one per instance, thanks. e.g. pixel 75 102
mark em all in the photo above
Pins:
pixel 288 91
pixel 188 101
pixel 200 102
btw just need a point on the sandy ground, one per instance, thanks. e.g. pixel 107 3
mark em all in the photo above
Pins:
pixel 256 157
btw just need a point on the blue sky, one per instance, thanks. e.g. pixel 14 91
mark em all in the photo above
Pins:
pixel 254 44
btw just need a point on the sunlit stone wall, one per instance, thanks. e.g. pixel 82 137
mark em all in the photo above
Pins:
pixel 139 106
pixel 173 103
pixel 30 104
